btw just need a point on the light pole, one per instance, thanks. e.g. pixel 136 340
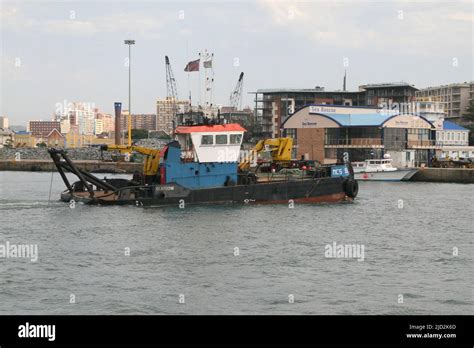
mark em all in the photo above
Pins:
pixel 129 43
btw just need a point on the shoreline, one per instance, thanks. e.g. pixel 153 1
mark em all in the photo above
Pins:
pixel 92 166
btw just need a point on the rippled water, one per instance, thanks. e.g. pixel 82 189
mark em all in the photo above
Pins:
pixel 408 251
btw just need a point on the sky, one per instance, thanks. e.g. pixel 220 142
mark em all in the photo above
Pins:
pixel 56 52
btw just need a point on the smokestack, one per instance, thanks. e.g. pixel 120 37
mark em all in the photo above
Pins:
pixel 344 83
pixel 118 112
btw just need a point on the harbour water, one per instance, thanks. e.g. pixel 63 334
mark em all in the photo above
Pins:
pixel 230 259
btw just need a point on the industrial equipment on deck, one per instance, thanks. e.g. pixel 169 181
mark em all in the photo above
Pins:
pixel 151 162
pixel 280 148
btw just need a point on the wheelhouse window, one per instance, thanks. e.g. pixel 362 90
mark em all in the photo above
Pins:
pixel 221 139
pixel 207 140
pixel 235 138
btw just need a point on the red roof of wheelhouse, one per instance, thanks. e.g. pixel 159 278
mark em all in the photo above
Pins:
pixel 231 127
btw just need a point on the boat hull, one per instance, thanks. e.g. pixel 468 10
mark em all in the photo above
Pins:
pixel 396 175
pixel 299 191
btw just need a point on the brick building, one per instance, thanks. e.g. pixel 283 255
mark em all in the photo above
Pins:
pixel 43 128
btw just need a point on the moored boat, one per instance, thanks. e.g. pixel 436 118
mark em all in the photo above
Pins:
pixel 381 170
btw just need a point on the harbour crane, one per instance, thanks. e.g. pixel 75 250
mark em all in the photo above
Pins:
pixel 236 95
pixel 171 89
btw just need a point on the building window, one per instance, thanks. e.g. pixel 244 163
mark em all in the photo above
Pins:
pixel 221 139
pixel 207 140
pixel 235 138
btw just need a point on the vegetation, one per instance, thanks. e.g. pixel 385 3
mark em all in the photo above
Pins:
pixel 138 134
pixel 468 115
pixel 8 143
pixel 42 144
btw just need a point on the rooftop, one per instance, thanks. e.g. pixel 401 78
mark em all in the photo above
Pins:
pixel 231 127
pixel 387 85
pixel 447 125
pixel 299 90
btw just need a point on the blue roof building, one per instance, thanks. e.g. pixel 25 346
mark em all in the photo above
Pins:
pixel 326 132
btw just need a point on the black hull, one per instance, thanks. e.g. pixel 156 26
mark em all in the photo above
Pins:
pixel 297 191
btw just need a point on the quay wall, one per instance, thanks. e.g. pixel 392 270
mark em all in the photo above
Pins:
pixel 90 166
pixel 452 175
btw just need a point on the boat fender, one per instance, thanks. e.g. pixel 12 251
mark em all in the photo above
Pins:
pixel 351 187
pixel 229 182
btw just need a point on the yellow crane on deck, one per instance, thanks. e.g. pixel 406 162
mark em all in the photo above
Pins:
pixel 280 148
pixel 151 162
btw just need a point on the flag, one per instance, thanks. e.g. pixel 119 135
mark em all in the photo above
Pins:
pixel 192 66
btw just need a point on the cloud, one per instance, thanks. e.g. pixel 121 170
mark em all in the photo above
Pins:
pixel 461 16
pixel 137 23
pixel 367 25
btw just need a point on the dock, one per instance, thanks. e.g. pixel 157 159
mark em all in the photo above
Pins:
pixel 448 175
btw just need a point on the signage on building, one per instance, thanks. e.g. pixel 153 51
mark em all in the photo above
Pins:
pixel 313 109
pixel 308 123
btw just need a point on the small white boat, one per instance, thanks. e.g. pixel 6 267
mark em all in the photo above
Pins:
pixel 381 170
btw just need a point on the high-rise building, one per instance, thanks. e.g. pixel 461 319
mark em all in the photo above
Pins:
pixel 454 97
pixel 3 122
pixel 139 121
pixel 104 123
pixel 165 111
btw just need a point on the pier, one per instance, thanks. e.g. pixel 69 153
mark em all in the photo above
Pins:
pixel 448 175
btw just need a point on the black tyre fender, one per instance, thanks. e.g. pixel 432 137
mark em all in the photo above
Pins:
pixel 351 188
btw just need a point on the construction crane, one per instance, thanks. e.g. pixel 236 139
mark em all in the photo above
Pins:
pixel 280 149
pixel 171 89
pixel 236 95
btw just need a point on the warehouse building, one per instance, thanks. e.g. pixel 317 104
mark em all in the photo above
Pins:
pixel 325 132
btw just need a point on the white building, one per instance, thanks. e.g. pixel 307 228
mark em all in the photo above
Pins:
pixel 452 135
pixel 454 141
pixel 3 122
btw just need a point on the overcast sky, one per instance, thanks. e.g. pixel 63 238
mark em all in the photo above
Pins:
pixel 74 51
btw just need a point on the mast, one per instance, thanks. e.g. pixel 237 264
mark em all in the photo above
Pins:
pixel 171 90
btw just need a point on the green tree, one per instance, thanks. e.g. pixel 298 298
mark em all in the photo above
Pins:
pixel 139 134
pixel 468 115
pixel 8 143
pixel 471 134
pixel 42 144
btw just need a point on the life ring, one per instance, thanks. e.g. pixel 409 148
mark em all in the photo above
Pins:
pixel 351 187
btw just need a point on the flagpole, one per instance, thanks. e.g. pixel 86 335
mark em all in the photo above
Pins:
pixel 199 79
pixel 189 83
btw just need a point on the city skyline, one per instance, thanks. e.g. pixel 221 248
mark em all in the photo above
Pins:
pixel 69 51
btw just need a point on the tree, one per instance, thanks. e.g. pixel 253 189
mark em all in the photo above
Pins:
pixel 139 134
pixel 468 115
pixel 42 144
pixel 8 143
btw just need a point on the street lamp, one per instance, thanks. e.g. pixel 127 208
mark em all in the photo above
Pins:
pixel 129 43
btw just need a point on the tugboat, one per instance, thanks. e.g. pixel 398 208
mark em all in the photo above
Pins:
pixel 201 166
